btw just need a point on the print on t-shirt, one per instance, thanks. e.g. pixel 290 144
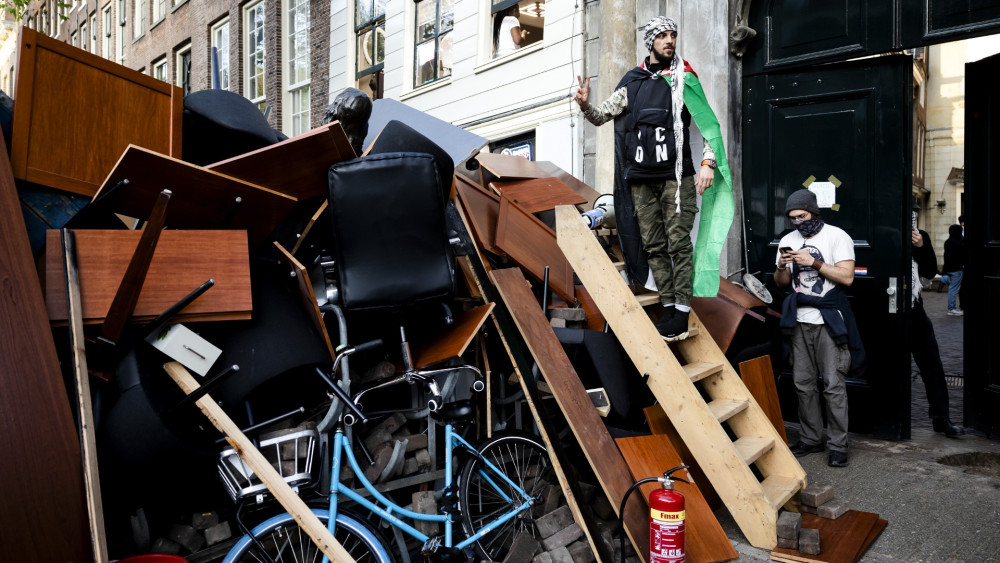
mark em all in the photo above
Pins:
pixel 807 279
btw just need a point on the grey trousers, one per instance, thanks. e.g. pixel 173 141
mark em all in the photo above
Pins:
pixel 815 354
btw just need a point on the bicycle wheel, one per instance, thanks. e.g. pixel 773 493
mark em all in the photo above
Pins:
pixel 525 461
pixel 284 541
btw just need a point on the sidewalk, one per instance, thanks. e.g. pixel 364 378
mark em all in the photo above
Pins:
pixel 936 511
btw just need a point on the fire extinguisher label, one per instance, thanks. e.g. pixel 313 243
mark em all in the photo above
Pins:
pixel 666 541
pixel 666 516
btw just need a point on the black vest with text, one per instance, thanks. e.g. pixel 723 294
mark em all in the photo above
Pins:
pixel 649 139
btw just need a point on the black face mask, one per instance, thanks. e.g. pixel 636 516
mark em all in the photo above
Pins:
pixel 809 228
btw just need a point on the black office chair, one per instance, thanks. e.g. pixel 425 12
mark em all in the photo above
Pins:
pixel 391 247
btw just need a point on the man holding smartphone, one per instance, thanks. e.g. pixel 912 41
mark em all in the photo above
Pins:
pixel 817 260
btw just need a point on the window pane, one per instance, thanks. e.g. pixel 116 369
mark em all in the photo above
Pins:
pixel 447 15
pixel 365 12
pixel 426 20
pixel 425 63
pixel 444 56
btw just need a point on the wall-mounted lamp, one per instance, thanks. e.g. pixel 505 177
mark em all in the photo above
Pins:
pixel 941 205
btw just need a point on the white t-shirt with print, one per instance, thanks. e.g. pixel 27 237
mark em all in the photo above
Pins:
pixel 505 42
pixel 830 245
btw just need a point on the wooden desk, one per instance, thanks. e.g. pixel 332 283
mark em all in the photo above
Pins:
pixel 541 194
pixel 202 199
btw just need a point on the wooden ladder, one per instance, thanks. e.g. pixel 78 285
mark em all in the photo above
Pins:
pixel 675 382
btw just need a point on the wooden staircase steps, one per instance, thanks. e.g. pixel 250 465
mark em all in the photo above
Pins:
pixel 679 383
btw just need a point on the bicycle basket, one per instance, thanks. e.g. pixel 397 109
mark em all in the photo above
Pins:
pixel 291 455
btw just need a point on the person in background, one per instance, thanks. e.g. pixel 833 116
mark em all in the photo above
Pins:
pixel 954 266
pixel 817 261
pixel 923 342
pixel 507 32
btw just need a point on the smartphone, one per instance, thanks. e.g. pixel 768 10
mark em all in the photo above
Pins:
pixel 785 249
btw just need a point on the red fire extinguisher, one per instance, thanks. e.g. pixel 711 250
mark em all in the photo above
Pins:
pixel 666 521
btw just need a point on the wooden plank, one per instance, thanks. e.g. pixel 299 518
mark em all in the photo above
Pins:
pixel 700 370
pixel 531 244
pixel 43 505
pixel 595 319
pixel 183 260
pixel 779 489
pixel 503 325
pixel 724 409
pixel 71 142
pixel 291 502
pixel 681 400
pixel 542 194
pixel 758 376
pixel 202 199
pixel 842 540
pixel 650 456
pixel 586 424
pixel 306 295
pixel 752 447
pixel 551 169
pixel 482 209
pixel 435 349
pixel 308 228
pixel 297 167
pixel 85 409
pixel 507 166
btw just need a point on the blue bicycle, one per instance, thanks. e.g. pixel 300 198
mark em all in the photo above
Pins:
pixel 500 490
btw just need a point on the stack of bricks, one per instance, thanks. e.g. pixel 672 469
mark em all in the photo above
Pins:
pixel 203 530
pixel 819 500
pixel 567 317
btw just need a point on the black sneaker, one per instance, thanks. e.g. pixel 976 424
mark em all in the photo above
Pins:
pixel 944 426
pixel 665 316
pixel 676 328
pixel 801 448
pixel 838 459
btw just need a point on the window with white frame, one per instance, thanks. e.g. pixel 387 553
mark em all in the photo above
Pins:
pixel 159 10
pixel 93 33
pixel 73 39
pixel 182 64
pixel 296 76
pixel 121 32
pixel 253 23
pixel 44 20
pixel 138 18
pixel 220 41
pixel 369 25
pixel 433 41
pixel 106 31
pixel 527 17
pixel 160 69
pixel 84 38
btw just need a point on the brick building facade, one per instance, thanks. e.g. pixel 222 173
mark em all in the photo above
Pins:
pixel 172 40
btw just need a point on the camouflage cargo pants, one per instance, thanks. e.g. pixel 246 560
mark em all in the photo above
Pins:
pixel 666 234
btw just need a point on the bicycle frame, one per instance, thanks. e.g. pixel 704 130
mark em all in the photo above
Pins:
pixel 342 450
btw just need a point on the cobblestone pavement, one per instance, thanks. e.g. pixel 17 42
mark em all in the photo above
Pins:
pixel 936 511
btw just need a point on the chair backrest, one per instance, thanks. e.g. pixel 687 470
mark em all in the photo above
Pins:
pixel 387 213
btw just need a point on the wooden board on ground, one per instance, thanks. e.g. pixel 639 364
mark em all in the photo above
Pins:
pixel 508 166
pixel 202 199
pixel 537 195
pixel 563 381
pixel 288 499
pixel 531 244
pixel 551 169
pixel 43 505
pixel 758 376
pixel 482 209
pixel 437 348
pixel 650 456
pixel 843 540
pixel 71 142
pixel 183 261
pixel 306 295
pixel 660 424
pixel 297 167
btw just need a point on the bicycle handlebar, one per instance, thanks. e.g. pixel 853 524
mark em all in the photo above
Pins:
pixel 366 346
